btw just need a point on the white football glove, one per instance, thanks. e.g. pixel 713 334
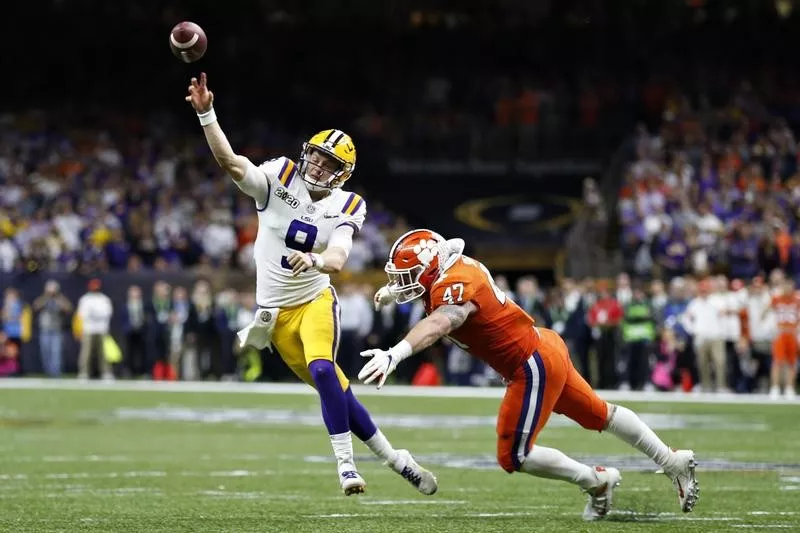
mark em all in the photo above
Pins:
pixel 382 298
pixel 382 364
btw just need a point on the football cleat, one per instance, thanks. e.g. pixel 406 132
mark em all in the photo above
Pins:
pixel 423 480
pixel 352 482
pixel 682 474
pixel 601 497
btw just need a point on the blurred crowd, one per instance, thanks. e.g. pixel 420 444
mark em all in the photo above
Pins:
pixel 713 190
pixel 86 200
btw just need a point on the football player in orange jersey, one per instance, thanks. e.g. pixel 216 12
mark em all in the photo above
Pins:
pixel 463 303
pixel 784 348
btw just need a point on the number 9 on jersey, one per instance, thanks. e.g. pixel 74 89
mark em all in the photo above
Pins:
pixel 301 237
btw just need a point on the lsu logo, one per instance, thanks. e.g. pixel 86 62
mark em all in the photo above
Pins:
pixel 284 195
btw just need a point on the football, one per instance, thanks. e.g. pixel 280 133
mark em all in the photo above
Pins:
pixel 188 41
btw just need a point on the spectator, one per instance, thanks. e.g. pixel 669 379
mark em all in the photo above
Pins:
pixel 158 312
pixel 638 336
pixel 9 357
pixel 356 323
pixel 605 317
pixel 52 308
pixel 761 325
pixel 529 298
pixel 94 310
pixel 16 320
pixel 226 313
pixel 202 331
pixel 703 320
pixel 181 356
pixel 136 330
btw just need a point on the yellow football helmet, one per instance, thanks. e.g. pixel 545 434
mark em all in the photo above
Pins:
pixel 335 144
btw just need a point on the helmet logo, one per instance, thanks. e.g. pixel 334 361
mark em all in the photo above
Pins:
pixel 426 250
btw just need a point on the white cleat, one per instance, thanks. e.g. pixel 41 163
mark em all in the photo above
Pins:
pixel 602 496
pixel 423 480
pixel 774 392
pixel 682 474
pixel 789 393
pixel 351 480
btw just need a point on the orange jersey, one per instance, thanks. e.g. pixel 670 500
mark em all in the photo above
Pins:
pixel 500 332
pixel 786 309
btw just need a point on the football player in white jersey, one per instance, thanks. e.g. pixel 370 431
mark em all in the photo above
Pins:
pixel 306 224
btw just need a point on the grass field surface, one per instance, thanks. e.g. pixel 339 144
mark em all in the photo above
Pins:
pixel 115 458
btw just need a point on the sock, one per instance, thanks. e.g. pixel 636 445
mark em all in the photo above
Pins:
pixel 380 446
pixel 553 464
pixel 627 426
pixel 343 450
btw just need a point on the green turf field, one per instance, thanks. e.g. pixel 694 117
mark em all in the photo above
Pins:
pixel 99 460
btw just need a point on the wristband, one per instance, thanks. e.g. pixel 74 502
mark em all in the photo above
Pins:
pixel 209 117
pixel 316 261
pixel 401 350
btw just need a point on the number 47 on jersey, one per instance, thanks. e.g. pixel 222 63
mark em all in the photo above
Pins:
pixel 454 294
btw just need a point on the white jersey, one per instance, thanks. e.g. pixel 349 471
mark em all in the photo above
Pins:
pixel 289 220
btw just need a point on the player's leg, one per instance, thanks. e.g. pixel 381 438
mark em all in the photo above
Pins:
pixel 288 341
pixel 401 461
pixel 529 400
pixel 791 380
pixel 790 369
pixel 579 402
pixel 720 364
pixel 703 354
pixel 84 355
pixel 779 349
pixel 526 407
pixel 319 334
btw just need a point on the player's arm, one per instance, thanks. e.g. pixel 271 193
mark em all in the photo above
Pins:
pixel 244 173
pixel 331 260
pixel 438 324
pixel 234 164
pixel 334 257
pixel 202 101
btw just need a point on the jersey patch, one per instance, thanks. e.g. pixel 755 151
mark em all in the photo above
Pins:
pixel 289 199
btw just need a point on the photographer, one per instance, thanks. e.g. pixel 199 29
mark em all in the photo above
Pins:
pixel 52 308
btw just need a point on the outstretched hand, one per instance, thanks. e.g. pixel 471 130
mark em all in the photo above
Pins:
pixel 199 96
pixel 381 364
